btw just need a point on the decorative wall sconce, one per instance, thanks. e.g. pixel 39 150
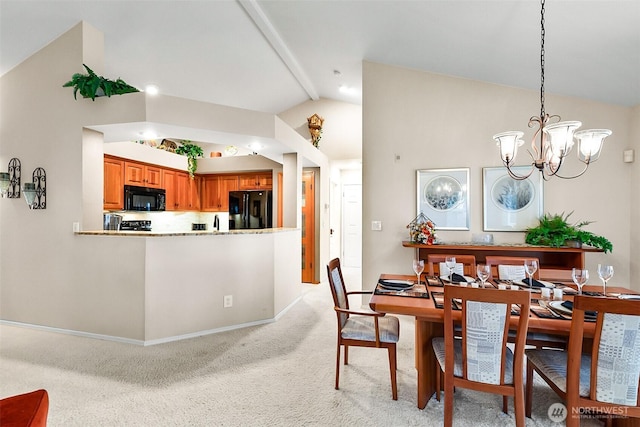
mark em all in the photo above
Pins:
pixel 10 181
pixel 315 129
pixel 15 173
pixel 29 192
pixel 35 193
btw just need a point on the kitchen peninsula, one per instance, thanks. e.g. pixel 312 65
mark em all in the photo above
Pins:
pixel 175 285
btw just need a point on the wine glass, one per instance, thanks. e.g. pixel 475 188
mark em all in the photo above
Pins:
pixel 450 262
pixel 484 271
pixel 580 277
pixel 530 266
pixel 605 272
pixel 418 268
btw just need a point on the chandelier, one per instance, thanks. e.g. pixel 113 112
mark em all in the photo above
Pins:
pixel 553 139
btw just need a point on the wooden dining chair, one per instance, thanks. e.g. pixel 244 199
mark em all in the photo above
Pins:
pixel 481 360
pixel 495 261
pixel 468 263
pixel 361 328
pixel 536 339
pixel 603 380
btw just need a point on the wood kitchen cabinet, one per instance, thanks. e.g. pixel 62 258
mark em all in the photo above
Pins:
pixel 187 192
pixel 169 185
pixel 142 175
pixel 256 181
pixel 215 192
pixel 113 194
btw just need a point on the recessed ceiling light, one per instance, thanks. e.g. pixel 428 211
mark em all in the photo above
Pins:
pixel 255 146
pixel 149 135
pixel 347 90
pixel 152 89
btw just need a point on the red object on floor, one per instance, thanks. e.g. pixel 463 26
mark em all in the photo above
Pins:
pixel 29 409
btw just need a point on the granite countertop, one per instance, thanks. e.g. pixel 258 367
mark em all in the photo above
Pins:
pixel 183 233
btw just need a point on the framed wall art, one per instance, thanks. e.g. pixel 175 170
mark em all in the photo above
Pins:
pixel 443 196
pixel 510 204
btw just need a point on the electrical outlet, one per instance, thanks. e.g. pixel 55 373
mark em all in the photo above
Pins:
pixel 228 301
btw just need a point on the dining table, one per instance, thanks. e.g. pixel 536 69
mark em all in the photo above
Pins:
pixel 429 318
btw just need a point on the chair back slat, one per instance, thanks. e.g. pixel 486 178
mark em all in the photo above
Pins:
pixel 436 261
pixel 496 261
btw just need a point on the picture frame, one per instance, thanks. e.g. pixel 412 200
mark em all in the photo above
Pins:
pixel 510 204
pixel 443 196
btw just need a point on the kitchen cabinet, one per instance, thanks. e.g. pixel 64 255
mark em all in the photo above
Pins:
pixel 256 181
pixel 169 185
pixel 187 192
pixel 215 192
pixel 142 175
pixel 113 193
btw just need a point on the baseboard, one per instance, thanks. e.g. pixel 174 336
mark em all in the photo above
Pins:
pixel 150 342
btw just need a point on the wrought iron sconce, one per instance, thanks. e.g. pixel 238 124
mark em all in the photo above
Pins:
pixel 10 181
pixel 35 193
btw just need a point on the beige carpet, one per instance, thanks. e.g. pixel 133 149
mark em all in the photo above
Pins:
pixel 280 374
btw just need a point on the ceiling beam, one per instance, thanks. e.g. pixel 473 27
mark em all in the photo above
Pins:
pixel 269 31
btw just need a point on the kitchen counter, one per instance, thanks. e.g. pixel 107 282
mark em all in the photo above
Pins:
pixel 184 233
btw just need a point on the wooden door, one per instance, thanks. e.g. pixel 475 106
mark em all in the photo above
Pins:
pixel 226 184
pixel 182 191
pixel 194 193
pixel 308 227
pixel 210 193
pixel 113 194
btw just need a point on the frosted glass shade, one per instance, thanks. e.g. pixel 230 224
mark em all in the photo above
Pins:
pixel 4 182
pixel 29 191
pixel 560 137
pixel 590 143
pixel 508 143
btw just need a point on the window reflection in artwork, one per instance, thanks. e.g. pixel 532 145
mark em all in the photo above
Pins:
pixel 511 195
pixel 443 193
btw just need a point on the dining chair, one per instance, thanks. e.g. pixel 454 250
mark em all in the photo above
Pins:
pixel 507 271
pixel 466 262
pixel 361 328
pixel 536 339
pixel 481 360
pixel 603 380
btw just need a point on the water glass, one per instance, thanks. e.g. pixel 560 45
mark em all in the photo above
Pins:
pixel 545 294
pixel 418 268
pixel 580 276
pixel 605 272
pixel 530 266
pixel 557 294
pixel 484 271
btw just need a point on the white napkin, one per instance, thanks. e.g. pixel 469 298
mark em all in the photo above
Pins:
pixel 445 271
pixel 511 272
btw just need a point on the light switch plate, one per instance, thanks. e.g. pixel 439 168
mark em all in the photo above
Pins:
pixel 376 225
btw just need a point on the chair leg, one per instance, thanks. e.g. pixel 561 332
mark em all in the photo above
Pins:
pixel 505 404
pixel 338 366
pixel 518 403
pixel 438 380
pixel 529 393
pixel 346 354
pixel 393 368
pixel 448 403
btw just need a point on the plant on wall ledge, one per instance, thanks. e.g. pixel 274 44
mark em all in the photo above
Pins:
pixel 91 85
pixel 192 151
pixel 555 231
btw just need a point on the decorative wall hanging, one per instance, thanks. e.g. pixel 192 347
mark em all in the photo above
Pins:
pixel 40 182
pixel 14 178
pixel 510 204
pixel 443 196
pixel 315 129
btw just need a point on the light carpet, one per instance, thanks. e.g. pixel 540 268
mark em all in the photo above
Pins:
pixel 278 374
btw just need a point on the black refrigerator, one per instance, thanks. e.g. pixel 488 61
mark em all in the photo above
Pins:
pixel 250 209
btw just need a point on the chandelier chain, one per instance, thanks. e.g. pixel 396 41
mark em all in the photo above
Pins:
pixel 542 112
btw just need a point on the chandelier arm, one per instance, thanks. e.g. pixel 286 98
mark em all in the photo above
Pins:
pixel 586 166
pixel 515 176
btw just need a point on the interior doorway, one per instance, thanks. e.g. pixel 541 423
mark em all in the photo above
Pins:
pixel 352 225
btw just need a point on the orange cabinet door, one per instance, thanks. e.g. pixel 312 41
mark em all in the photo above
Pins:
pixel 169 185
pixel 226 183
pixel 113 195
pixel 142 175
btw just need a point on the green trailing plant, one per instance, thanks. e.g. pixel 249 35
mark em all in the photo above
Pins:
pixel 192 151
pixel 555 230
pixel 91 85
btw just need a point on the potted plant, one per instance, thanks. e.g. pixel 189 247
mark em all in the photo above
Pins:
pixel 91 85
pixel 555 230
pixel 192 151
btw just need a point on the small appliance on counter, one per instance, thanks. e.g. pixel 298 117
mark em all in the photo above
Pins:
pixel 198 227
pixel 137 225
pixel 111 221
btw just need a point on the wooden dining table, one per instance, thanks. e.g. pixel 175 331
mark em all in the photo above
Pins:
pixel 429 323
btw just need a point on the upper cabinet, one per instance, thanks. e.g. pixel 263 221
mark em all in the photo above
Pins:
pixel 113 195
pixel 142 175
pixel 187 192
pixel 256 181
pixel 215 192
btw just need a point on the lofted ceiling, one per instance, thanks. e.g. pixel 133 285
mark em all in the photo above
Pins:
pixel 270 56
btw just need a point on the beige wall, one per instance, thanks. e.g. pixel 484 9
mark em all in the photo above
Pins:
pixel 435 121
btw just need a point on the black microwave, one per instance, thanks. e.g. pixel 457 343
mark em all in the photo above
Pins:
pixel 144 198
